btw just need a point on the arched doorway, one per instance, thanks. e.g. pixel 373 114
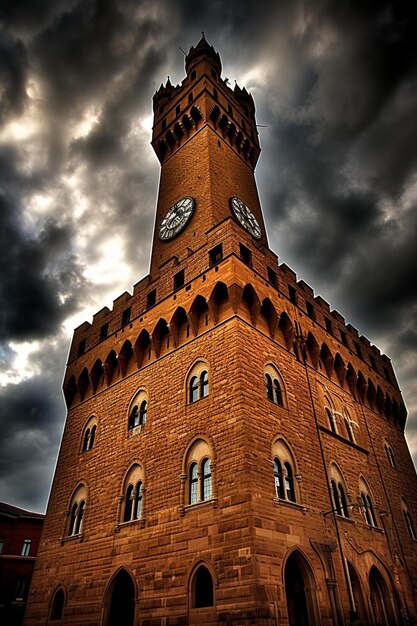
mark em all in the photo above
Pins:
pixel 381 603
pixel 120 601
pixel 356 587
pixel 300 591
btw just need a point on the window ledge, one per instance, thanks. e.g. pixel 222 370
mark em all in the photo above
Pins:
pixel 291 505
pixel 376 529
pixel 137 430
pixel 79 536
pixel 280 406
pixel 213 502
pixel 344 439
pixel 134 522
pixel 342 518
pixel 198 400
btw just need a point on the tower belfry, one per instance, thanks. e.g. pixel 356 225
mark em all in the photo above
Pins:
pixel 234 452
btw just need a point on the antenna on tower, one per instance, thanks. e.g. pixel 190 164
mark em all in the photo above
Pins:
pixel 184 53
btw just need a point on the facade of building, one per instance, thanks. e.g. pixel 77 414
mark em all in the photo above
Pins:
pixel 234 453
pixel 20 532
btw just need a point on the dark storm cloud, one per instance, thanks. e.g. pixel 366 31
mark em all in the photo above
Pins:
pixel 13 74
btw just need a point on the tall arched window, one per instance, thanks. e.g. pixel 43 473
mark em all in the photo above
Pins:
pixel 198 382
pixel 132 495
pixel 274 385
pixel 138 411
pixel 198 473
pixel 283 472
pixel 77 510
pixel 390 455
pixel 89 434
pixel 338 492
pixel 202 590
pixel 409 522
pixel 350 425
pixel 367 505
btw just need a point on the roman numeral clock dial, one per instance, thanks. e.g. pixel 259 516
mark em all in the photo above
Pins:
pixel 245 217
pixel 177 218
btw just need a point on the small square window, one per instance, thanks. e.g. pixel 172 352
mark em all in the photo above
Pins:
pixel 216 255
pixel 272 276
pixel 177 109
pixel 164 124
pixel 292 294
pixel 245 254
pixel 358 350
pixel 344 338
pixel 179 279
pixel 310 310
pixel 151 299
pixel 193 75
pixel 329 326
pixel 190 97
pixel 215 94
pixel 81 347
pixel 213 74
pixel 126 316
pixel 244 125
pixel 230 110
pixel 373 362
pixel 104 330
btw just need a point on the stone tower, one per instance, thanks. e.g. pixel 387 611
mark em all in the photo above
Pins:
pixel 234 453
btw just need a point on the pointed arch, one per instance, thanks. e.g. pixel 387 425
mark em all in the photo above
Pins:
pixel 371 394
pixel 143 348
pixel 327 359
pixel 97 375
pixel 356 586
pixel 57 604
pixel 132 494
pixel 70 390
pixel 83 383
pixel 270 315
pixel 361 386
pixel 351 379
pixel 388 407
pixel 251 302
pixel 313 349
pixel 160 337
pixel 125 356
pixel 286 329
pixel 380 400
pixel 110 365
pixel 198 314
pixel 201 586
pixel 120 599
pixel 300 590
pixel 382 600
pixel 178 325
pixel 340 369
pixel 187 123
pixel 219 301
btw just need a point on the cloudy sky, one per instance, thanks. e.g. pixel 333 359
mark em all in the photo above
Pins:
pixel 335 86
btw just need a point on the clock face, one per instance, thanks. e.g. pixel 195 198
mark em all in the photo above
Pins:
pixel 176 218
pixel 245 217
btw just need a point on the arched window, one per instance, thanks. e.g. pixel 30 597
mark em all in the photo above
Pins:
pixel 331 418
pixel 77 510
pixel 138 411
pixel 202 591
pixel 199 469
pixel 57 605
pixel 198 382
pixel 409 522
pixel 283 472
pixel 89 434
pixel 132 495
pixel 350 425
pixel 367 506
pixel 274 385
pixel 338 492
pixel 390 455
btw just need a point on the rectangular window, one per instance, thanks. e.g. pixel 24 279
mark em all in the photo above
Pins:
pixel 26 547
pixel 344 338
pixel 81 347
pixel 179 279
pixel 245 254
pixel 177 109
pixel 22 586
pixel 151 299
pixel 244 125
pixel 329 326
pixel 373 362
pixel 216 255
pixel 104 331
pixel 1 546
pixel 358 350
pixel 272 276
pixel 215 95
pixel 164 124
pixel 310 309
pixel 126 316
pixel 292 294
pixel 190 96
pixel 230 110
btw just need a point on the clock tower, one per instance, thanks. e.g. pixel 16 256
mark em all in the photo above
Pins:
pixel 206 139
pixel 234 452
